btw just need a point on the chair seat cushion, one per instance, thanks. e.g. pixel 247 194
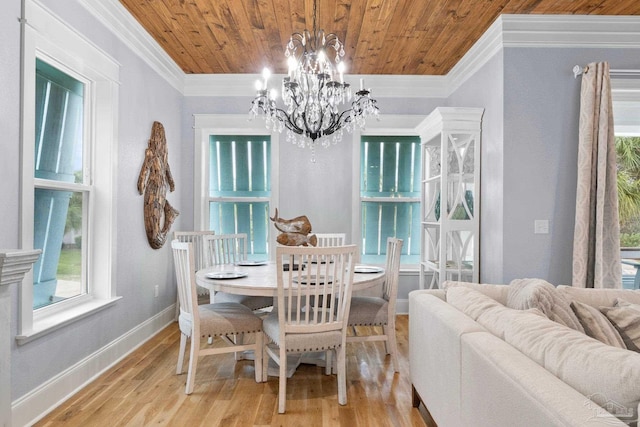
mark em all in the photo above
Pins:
pixel 300 343
pixel 253 302
pixel 224 318
pixel 368 311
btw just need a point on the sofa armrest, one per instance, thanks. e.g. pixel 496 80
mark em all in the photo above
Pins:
pixel 435 329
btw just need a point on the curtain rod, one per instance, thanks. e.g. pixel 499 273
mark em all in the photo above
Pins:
pixel 577 70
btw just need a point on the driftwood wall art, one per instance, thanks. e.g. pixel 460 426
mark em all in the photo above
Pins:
pixel 294 232
pixel 155 177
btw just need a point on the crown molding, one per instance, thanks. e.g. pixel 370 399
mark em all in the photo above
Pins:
pixel 485 48
pixel 572 31
pixel 546 31
pixel 123 25
pixel 528 31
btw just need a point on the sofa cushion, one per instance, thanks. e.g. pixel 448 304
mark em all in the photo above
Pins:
pixel 496 292
pixel 537 293
pixel 603 373
pixel 626 320
pixel 596 324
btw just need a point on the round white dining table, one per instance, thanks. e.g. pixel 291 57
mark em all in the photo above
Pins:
pixel 262 280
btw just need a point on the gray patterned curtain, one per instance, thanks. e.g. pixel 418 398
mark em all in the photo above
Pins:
pixel 596 244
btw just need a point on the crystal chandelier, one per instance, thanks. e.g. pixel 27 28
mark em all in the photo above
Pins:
pixel 313 92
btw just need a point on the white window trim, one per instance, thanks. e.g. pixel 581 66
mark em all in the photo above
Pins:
pixel 389 125
pixel 46 36
pixel 206 125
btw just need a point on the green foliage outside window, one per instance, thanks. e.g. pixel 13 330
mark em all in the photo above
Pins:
pixel 628 157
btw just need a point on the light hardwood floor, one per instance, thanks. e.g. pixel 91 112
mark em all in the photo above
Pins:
pixel 143 390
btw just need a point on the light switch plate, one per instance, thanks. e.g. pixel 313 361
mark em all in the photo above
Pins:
pixel 541 226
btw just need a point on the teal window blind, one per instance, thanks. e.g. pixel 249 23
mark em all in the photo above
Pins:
pixel 58 213
pixel 240 188
pixel 390 196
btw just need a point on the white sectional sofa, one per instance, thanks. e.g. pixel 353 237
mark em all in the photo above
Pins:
pixel 476 362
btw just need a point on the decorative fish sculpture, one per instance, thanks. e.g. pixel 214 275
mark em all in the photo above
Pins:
pixel 297 239
pixel 298 224
pixel 154 181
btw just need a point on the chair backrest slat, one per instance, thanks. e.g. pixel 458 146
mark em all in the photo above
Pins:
pixel 195 237
pixel 185 275
pixel 392 270
pixel 330 239
pixel 225 249
pixel 315 295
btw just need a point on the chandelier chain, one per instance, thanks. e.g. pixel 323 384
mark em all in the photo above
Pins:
pixel 315 5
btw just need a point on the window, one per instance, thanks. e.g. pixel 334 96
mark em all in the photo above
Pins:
pixel 235 179
pixel 390 196
pixel 239 189
pixel 68 211
pixel 60 191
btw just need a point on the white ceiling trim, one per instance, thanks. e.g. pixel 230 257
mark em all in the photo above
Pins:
pixel 487 46
pixel 122 24
pixel 582 31
pixel 569 31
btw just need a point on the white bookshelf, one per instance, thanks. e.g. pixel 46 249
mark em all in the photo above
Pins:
pixel 450 199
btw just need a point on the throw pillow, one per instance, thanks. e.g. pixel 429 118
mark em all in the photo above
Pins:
pixel 485 310
pixel 626 320
pixel 620 302
pixel 596 324
pixel 540 294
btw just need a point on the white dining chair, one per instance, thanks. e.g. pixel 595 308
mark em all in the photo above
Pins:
pixel 222 249
pixel 330 239
pixel 379 312
pixel 218 320
pixel 196 237
pixel 319 328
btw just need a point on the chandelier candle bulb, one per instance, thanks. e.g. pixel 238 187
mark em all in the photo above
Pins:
pixel 265 74
pixel 361 84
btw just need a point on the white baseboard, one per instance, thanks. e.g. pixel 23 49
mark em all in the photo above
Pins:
pixel 30 408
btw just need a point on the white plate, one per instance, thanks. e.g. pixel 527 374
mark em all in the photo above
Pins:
pixel 312 280
pixel 367 269
pixel 250 263
pixel 226 274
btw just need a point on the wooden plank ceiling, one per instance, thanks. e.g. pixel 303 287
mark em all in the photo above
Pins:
pixel 419 37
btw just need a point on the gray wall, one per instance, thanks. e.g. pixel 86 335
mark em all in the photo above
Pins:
pixel 529 156
pixel 9 123
pixel 541 112
pixel 144 97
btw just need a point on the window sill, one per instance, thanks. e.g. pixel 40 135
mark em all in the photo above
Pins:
pixel 47 324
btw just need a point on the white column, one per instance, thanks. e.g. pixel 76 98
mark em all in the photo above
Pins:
pixel 14 264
